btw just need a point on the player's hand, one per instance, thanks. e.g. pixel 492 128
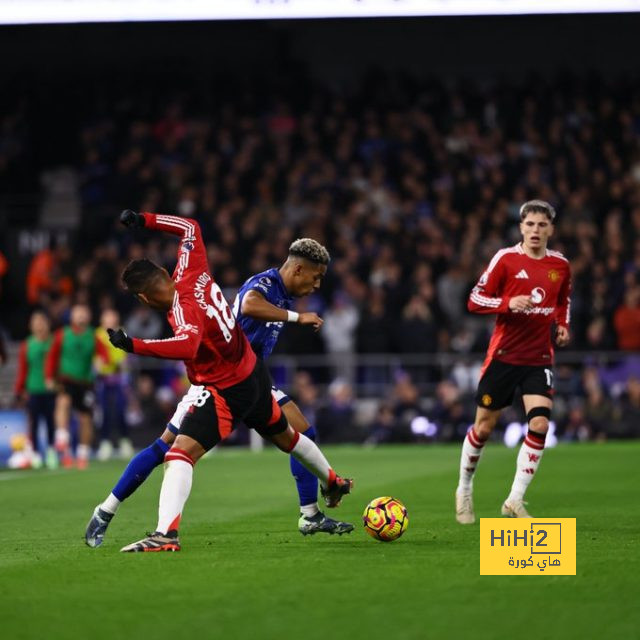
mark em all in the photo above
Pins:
pixel 562 336
pixel 118 338
pixel 310 318
pixel 520 303
pixel 132 219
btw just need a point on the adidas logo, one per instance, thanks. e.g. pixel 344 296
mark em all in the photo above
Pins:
pixel 523 275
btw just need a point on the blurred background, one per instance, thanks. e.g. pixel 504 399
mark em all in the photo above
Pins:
pixel 404 145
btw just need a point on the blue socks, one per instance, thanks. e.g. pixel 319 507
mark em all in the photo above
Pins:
pixel 306 482
pixel 139 468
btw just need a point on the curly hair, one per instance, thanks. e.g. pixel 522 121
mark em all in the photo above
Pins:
pixel 309 249
pixel 537 206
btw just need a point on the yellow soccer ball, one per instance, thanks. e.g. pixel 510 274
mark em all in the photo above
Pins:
pixel 385 519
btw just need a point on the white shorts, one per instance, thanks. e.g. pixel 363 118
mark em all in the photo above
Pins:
pixel 280 396
pixel 183 406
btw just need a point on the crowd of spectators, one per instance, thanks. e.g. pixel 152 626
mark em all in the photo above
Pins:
pixel 412 186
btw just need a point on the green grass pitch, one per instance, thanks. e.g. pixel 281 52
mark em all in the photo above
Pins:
pixel 245 571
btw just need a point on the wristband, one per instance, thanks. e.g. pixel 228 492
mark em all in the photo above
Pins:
pixel 292 316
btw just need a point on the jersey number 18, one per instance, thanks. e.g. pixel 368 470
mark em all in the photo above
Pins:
pixel 221 312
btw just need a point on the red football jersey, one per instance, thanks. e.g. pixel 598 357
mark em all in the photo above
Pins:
pixel 206 335
pixel 523 338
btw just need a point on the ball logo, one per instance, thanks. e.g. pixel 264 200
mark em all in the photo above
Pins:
pixel 537 295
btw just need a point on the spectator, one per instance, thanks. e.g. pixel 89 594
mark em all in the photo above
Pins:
pixel 336 419
pixel 627 320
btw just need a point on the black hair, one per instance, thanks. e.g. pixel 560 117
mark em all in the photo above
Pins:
pixel 139 275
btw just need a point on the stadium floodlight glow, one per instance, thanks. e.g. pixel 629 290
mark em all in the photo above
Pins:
pixel 421 426
pixel 69 11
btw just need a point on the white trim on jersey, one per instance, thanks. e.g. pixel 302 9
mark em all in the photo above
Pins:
pixel 485 301
pixel 178 314
pixel 178 338
pixel 556 254
pixel 499 254
pixel 476 296
pixel 183 259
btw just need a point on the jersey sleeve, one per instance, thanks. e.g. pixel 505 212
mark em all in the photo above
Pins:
pixel 21 376
pixel 486 296
pixel 192 254
pixel 184 344
pixel 563 308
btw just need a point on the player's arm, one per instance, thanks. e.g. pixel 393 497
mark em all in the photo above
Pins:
pixel 563 312
pixel 183 345
pixel 486 296
pixel 255 305
pixel 192 254
pixel 53 359
pixel 187 228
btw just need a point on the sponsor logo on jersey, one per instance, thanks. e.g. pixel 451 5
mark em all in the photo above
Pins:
pixel 538 295
pixel 486 399
pixel 554 275
pixel 522 275
pixel 539 311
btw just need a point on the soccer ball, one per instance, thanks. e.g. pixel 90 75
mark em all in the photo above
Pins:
pixel 385 519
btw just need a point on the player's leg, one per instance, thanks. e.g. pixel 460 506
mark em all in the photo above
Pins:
pixel 538 410
pixel 287 439
pixel 62 414
pixel 119 403
pixel 48 403
pixel 105 448
pixel 472 447
pixel 83 401
pixel 495 391
pixel 209 421
pixel 311 520
pixel 306 482
pixel 85 422
pixel 137 471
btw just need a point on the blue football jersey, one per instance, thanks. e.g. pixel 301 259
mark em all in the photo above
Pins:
pixel 263 335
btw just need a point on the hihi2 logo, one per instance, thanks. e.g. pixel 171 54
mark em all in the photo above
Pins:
pixel 533 546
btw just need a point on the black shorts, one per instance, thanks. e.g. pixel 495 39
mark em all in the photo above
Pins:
pixel 213 413
pixel 83 398
pixel 498 385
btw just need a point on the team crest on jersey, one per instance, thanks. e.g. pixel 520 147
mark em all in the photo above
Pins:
pixel 554 275
pixel 486 399
pixel 187 246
